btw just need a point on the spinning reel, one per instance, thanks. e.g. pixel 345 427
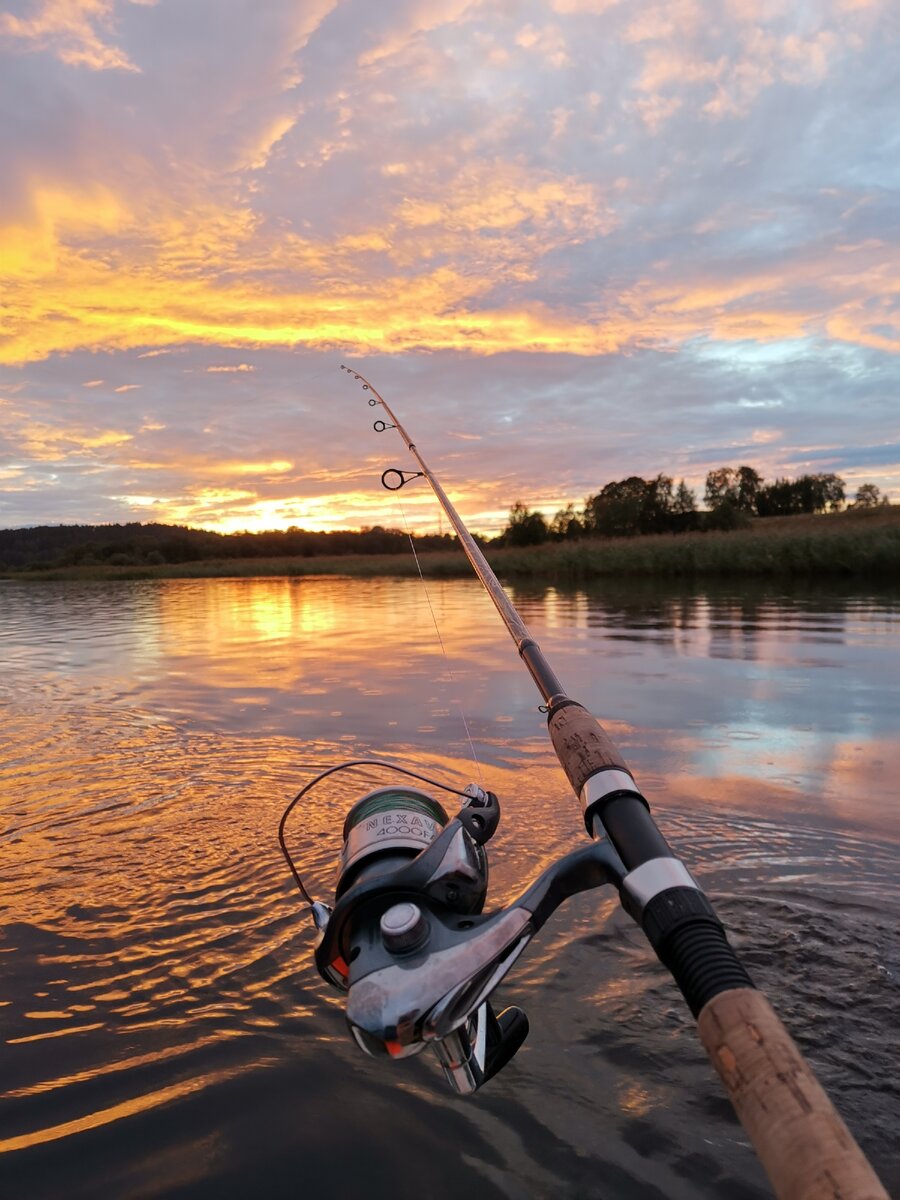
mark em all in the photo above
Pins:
pixel 407 940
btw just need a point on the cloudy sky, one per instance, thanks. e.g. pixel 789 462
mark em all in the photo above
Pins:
pixel 570 240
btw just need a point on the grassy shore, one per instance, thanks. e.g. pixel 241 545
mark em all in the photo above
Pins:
pixel 840 545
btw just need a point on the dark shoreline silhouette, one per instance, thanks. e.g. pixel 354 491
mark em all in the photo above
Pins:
pixel 855 543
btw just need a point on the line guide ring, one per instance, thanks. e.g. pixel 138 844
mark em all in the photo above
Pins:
pixel 403 476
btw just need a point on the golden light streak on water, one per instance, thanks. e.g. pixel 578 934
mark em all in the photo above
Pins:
pixel 118 1112
pixel 53 1033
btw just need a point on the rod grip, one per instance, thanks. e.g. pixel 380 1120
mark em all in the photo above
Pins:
pixel 805 1147
pixel 582 745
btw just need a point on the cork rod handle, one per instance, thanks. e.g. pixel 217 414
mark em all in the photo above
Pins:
pixel 582 745
pixel 804 1146
pixel 806 1149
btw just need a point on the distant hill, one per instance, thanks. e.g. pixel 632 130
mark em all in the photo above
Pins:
pixel 44 546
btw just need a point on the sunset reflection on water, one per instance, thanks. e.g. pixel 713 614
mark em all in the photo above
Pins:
pixel 162 1025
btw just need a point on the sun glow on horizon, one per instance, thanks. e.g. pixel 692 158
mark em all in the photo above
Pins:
pixel 350 512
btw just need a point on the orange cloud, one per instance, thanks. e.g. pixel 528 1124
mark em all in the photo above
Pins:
pixel 70 30
pixel 170 291
pixel 763 437
pixel 504 199
pixel 48 443
pixel 94 268
pixel 549 42
pixel 850 329
pixel 168 275
pixel 738 70
pixel 422 16
pixel 594 7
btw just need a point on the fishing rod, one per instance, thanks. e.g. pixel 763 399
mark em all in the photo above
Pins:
pixel 408 942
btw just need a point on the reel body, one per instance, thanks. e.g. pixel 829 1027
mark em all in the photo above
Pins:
pixel 408 940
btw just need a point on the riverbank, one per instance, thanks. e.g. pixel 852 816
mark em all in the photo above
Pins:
pixel 863 543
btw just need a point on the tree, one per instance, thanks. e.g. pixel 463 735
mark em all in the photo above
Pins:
pixel 808 494
pixel 738 487
pixel 566 524
pixel 658 505
pixel 683 515
pixel 868 496
pixel 833 491
pixel 524 527
pixel 721 484
pixel 685 500
pixel 748 484
pixel 818 492
pixel 779 499
pixel 627 507
pixel 616 510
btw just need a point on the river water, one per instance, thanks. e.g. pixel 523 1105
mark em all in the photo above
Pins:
pixel 163 1032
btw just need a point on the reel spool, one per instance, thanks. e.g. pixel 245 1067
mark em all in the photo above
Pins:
pixel 389 827
pixel 385 829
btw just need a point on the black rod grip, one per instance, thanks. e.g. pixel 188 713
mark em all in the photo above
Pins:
pixel 627 822
pixel 702 963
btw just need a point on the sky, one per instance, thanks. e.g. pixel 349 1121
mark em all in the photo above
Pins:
pixel 569 241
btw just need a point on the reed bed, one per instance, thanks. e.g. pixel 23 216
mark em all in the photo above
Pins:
pixel 839 553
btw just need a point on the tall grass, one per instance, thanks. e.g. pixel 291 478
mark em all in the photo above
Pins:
pixel 874 553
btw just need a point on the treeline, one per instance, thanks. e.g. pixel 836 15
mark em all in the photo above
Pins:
pixel 733 495
pixel 621 509
pixel 47 546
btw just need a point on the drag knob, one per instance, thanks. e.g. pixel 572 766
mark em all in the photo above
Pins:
pixel 403 928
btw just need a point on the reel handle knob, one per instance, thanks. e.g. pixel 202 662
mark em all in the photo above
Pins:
pixel 506 1033
pixel 482 1046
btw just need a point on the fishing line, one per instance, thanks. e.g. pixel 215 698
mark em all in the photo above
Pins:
pixel 462 711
